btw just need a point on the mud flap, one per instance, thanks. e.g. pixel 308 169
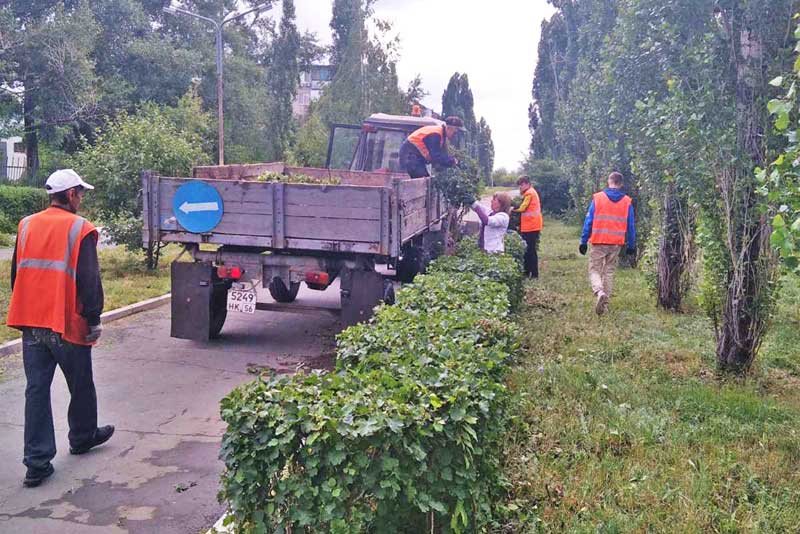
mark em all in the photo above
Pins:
pixel 192 286
pixel 361 291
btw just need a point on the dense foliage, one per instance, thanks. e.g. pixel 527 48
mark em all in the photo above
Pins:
pixel 72 66
pixel 781 181
pixel 18 202
pixel 162 140
pixel 405 434
pixel 674 95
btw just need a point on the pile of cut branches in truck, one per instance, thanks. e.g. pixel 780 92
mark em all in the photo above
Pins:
pixel 297 179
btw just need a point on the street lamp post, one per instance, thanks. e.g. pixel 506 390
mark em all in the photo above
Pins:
pixel 218 26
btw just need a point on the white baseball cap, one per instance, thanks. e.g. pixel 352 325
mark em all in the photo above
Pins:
pixel 64 179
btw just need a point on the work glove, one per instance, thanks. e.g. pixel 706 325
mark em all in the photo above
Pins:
pixel 582 249
pixel 94 333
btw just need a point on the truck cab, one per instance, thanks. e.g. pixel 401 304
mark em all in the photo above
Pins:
pixel 375 145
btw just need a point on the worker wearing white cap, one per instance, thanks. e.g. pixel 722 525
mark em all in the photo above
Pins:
pixel 56 300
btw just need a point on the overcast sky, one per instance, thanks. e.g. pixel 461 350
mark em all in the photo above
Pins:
pixel 494 42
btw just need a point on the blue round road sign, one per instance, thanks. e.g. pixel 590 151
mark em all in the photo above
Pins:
pixel 197 206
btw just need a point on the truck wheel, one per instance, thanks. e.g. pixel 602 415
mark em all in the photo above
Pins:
pixel 219 310
pixel 281 293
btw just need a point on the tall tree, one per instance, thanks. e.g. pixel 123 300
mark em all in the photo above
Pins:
pixel 365 81
pixel 282 77
pixel 643 86
pixel 485 150
pixel 50 61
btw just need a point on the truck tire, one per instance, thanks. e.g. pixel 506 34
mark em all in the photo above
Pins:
pixel 219 310
pixel 281 293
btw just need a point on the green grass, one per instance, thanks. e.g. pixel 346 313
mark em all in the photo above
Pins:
pixel 6 241
pixel 125 281
pixel 623 426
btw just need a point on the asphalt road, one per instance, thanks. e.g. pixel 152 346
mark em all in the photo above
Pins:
pixel 163 396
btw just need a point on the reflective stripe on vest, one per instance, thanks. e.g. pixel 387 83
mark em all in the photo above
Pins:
pixel 610 223
pixel 53 265
pixel 45 289
pixel 531 219
pixel 418 139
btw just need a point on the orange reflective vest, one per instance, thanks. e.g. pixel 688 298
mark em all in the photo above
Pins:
pixel 610 223
pixel 418 139
pixel 531 219
pixel 45 291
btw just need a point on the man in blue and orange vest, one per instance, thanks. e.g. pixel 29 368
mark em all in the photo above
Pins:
pixel 56 300
pixel 609 225
pixel 429 145
pixel 530 225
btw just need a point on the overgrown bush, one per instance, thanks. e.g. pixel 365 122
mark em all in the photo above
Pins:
pixel 499 267
pixel 513 243
pixel 17 202
pixel 403 436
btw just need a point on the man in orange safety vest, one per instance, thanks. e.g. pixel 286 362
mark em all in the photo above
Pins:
pixel 530 225
pixel 609 225
pixel 56 300
pixel 429 145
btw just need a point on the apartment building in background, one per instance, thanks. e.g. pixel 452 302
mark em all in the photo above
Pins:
pixel 310 88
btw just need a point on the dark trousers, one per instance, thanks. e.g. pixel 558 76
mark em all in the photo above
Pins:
pixel 531 253
pixel 412 161
pixel 42 350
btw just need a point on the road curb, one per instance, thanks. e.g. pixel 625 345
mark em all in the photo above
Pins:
pixel 114 315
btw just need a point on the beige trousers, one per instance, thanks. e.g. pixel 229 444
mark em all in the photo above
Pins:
pixel 602 263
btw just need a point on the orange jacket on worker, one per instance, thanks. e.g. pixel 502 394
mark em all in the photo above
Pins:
pixel 45 290
pixel 531 219
pixel 417 138
pixel 610 223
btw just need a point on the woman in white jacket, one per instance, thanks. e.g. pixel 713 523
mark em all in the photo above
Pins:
pixel 495 224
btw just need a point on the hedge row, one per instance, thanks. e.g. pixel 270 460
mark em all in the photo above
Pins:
pixel 406 431
pixel 17 202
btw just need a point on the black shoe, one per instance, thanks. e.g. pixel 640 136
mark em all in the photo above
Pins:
pixel 34 477
pixel 101 435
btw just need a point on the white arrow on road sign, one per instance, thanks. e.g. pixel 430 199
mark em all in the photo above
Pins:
pixel 188 207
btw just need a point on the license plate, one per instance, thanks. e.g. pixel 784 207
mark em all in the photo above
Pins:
pixel 242 301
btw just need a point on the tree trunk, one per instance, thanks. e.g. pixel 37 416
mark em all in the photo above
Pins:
pixel 745 310
pixel 31 135
pixel 675 251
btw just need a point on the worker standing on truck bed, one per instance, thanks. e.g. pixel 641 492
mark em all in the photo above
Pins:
pixel 56 300
pixel 429 145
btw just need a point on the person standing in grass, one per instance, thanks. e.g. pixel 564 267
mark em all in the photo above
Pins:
pixel 609 225
pixel 530 226
pixel 495 224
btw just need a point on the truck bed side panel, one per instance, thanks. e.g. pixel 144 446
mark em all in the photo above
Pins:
pixel 277 215
pixel 419 207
